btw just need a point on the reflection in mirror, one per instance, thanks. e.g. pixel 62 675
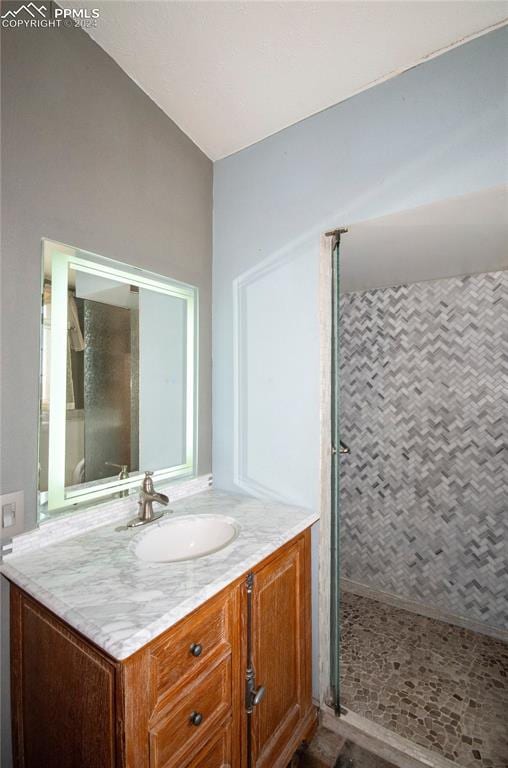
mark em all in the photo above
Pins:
pixel 117 378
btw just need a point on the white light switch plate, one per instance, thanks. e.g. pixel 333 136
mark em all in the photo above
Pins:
pixel 12 514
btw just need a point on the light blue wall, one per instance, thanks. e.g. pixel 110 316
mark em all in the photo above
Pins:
pixel 436 131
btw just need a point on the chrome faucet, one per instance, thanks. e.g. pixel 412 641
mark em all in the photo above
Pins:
pixel 147 495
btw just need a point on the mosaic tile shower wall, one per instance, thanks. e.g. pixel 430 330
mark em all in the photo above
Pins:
pixel 424 409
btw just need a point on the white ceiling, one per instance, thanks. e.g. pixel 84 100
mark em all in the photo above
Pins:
pixel 458 236
pixel 231 73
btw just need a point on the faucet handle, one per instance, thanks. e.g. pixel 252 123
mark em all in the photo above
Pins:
pixel 148 482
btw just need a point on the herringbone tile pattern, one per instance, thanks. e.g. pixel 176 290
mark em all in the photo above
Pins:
pixel 424 408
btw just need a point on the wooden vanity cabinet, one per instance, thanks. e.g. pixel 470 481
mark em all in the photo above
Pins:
pixel 63 691
pixel 184 689
pixel 281 618
pixel 182 700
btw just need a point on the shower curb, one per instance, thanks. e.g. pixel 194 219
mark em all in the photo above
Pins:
pixel 382 741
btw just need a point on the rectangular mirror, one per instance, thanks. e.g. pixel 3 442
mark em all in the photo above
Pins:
pixel 118 378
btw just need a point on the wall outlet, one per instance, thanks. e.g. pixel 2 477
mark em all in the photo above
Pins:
pixel 12 514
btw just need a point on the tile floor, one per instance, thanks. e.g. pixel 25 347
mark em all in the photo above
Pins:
pixel 329 750
pixel 354 756
pixel 444 687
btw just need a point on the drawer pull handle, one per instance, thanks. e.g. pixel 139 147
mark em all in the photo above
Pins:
pixel 196 649
pixel 196 718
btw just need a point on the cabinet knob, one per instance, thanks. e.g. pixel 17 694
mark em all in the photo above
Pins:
pixel 196 718
pixel 196 649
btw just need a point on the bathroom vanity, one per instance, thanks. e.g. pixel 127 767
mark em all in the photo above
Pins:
pixel 207 662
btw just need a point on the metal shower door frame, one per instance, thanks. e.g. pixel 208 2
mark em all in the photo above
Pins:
pixel 331 447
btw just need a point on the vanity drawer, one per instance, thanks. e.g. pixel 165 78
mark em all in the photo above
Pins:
pixel 188 650
pixel 178 733
pixel 217 753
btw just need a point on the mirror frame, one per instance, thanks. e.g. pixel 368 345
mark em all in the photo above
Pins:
pixel 64 257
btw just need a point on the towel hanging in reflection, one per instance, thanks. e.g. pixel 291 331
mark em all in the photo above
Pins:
pixel 75 342
pixel 76 339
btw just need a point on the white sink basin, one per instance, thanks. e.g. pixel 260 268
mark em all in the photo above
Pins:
pixel 185 538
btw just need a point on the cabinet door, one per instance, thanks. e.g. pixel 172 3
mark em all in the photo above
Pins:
pixel 63 693
pixel 281 655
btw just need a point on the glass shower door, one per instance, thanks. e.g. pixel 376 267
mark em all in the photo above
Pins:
pixel 338 448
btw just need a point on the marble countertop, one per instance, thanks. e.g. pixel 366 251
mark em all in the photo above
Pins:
pixel 97 584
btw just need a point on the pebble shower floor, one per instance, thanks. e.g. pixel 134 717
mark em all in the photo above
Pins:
pixel 443 687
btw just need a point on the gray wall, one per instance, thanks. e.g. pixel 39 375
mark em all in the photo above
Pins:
pixel 89 160
pixel 436 131
pixel 424 409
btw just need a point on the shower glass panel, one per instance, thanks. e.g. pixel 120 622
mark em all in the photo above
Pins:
pixel 418 337
pixel 110 425
pixel 335 516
